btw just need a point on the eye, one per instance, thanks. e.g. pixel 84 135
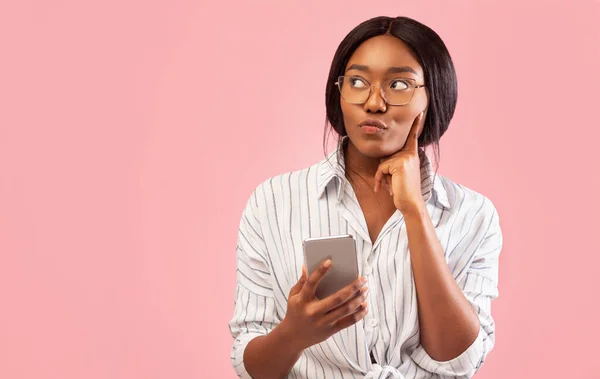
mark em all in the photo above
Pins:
pixel 356 82
pixel 399 85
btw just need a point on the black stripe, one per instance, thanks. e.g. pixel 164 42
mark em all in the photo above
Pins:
pixel 253 268
pixel 462 200
pixel 241 233
pixel 328 217
pixel 250 225
pixel 282 251
pixel 475 250
pixel 308 204
pixel 271 261
pixel 259 285
pixel 470 226
pixel 291 270
pixel 290 226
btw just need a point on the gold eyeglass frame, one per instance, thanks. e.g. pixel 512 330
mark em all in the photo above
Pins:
pixel 342 77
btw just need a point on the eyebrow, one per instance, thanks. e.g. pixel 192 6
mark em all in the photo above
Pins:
pixel 391 70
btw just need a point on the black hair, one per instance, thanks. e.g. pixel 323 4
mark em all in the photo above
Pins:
pixel 431 53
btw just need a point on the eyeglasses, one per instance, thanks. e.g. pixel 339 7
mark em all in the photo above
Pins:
pixel 357 90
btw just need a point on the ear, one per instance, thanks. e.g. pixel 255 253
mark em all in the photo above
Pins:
pixel 425 111
pixel 422 126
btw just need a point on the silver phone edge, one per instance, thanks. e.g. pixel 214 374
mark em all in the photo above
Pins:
pixel 310 239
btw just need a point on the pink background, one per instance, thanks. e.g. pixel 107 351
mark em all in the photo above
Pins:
pixel 133 132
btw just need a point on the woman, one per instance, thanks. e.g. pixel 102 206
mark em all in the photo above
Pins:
pixel 427 247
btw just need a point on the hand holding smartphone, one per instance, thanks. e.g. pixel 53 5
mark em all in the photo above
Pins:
pixel 310 318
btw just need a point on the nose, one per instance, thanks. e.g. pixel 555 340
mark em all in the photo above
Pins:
pixel 375 103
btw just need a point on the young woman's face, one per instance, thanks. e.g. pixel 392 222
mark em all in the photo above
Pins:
pixel 378 60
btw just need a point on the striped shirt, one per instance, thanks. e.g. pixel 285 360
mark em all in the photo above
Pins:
pixel 320 201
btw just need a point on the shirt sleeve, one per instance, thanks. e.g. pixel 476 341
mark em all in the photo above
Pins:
pixel 480 286
pixel 254 307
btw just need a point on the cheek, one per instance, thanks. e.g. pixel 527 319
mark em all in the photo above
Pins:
pixel 419 103
pixel 406 115
pixel 404 118
pixel 344 108
pixel 348 114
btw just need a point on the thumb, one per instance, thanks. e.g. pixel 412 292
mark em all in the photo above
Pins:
pixel 298 286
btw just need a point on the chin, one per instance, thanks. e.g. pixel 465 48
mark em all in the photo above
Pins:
pixel 374 148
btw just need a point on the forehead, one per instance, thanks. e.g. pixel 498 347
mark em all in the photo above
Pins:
pixel 382 52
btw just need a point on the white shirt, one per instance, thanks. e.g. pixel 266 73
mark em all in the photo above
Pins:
pixel 319 201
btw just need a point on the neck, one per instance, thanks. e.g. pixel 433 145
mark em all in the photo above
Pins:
pixel 359 165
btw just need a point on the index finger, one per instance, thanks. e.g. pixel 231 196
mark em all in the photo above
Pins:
pixel 310 287
pixel 343 295
pixel 382 170
pixel 412 141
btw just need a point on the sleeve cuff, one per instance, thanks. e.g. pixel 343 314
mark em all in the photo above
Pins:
pixel 466 364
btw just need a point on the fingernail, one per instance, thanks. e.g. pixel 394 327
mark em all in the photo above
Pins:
pixel 365 291
pixel 327 263
pixel 363 280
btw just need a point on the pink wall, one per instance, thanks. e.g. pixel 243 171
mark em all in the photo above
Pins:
pixel 132 133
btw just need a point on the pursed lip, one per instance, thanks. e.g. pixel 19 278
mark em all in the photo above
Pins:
pixel 373 122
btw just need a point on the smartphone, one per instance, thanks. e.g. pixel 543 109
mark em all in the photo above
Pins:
pixel 342 252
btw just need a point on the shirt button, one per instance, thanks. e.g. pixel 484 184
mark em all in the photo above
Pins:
pixel 373 322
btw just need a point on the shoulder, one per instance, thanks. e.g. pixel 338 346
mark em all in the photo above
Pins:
pixel 473 226
pixel 464 200
pixel 284 185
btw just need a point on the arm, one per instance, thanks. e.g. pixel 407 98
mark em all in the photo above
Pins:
pixel 454 310
pixel 271 356
pixel 265 346
pixel 478 287
pixel 448 323
pixel 260 349
pixel 457 330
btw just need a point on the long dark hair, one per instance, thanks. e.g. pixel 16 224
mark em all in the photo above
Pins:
pixel 431 53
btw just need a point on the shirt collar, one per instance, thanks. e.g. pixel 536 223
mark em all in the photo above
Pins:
pixel 332 170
